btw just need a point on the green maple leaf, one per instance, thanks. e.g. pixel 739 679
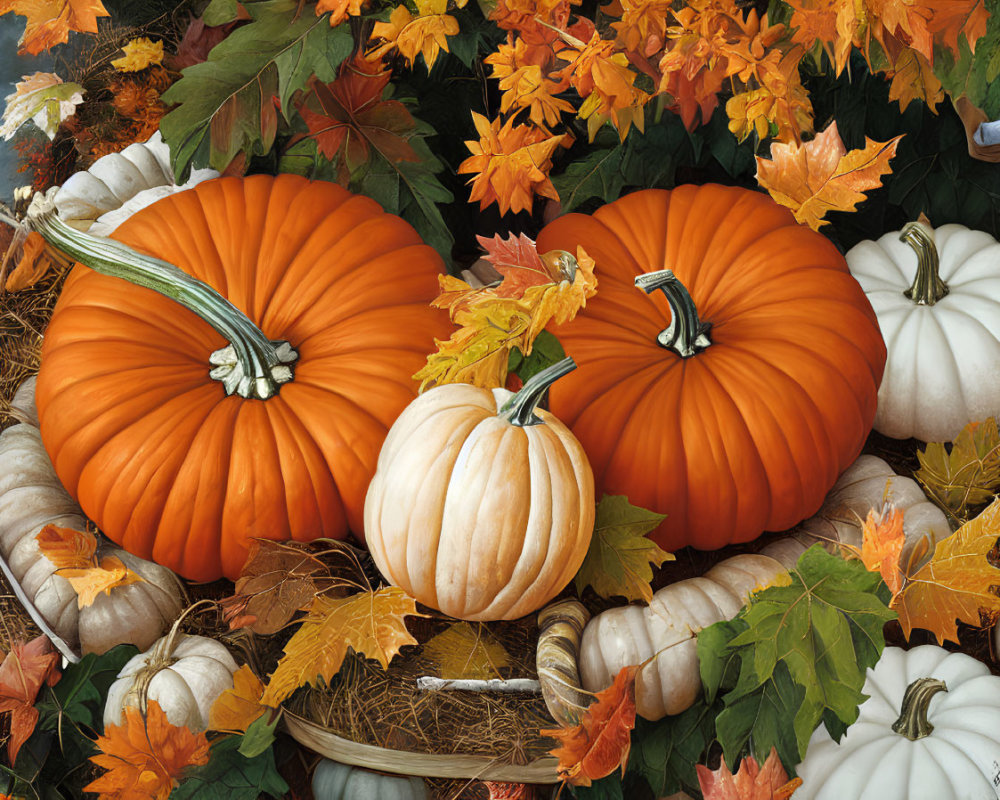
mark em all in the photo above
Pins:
pixel 618 561
pixel 665 752
pixel 964 474
pixel 228 775
pixel 795 655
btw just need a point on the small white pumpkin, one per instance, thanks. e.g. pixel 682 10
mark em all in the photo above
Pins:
pixel 936 294
pixel 184 674
pixel 929 730
pixel 335 781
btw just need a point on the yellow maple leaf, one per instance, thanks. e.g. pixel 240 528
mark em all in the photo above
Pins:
pixel 140 53
pixel 956 584
pixel 913 78
pixel 74 553
pixel 821 176
pixel 413 36
pixel 50 21
pixel 370 622
pixel 235 709
pixel 464 651
pixel 882 543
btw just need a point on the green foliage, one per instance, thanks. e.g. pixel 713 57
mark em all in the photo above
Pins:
pixel 228 775
pixel 976 75
pixel 664 753
pixel 794 656
pixel 545 351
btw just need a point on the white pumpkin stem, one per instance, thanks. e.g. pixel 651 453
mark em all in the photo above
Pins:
pixel 251 365
pixel 912 722
pixel 687 334
pixel 927 287
pixel 520 409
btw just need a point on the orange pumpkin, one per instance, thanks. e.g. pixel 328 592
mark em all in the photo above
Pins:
pixel 739 415
pixel 172 463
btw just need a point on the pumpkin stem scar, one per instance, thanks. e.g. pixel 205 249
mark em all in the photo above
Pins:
pixel 927 287
pixel 686 334
pixel 520 409
pixel 251 365
pixel 912 722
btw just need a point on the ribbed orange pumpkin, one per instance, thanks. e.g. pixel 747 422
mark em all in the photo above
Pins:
pixel 776 391
pixel 152 447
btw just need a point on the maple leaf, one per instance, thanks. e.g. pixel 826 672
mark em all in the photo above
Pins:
pixel 413 36
pixel 140 53
pixel 600 743
pixel 73 553
pixel 821 176
pixel 42 98
pixel 23 671
pixel 145 756
pixel 952 18
pixel 50 21
pixel 619 557
pixel 340 9
pixel 913 78
pixel 464 651
pixel 235 709
pixel 511 164
pixel 370 622
pixel 751 781
pixel 882 543
pixel 956 584
pixel 964 473
pixel 525 85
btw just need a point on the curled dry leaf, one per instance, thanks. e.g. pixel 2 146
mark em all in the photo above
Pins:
pixel 74 554
pixel 751 781
pixel 23 671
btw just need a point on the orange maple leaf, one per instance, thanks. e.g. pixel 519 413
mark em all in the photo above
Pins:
pixel 882 543
pixel 525 85
pixel 511 164
pixel 751 782
pixel 74 554
pixel 913 78
pixel 235 709
pixel 50 21
pixel 413 36
pixel 340 9
pixel 600 743
pixel 821 176
pixel 23 671
pixel 145 757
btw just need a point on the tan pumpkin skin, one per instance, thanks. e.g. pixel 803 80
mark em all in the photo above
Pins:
pixel 474 516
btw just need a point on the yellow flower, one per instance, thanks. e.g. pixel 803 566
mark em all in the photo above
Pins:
pixel 139 54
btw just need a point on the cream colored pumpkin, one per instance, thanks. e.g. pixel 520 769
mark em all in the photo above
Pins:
pixel 31 497
pixel 942 368
pixel 480 507
pixel 184 674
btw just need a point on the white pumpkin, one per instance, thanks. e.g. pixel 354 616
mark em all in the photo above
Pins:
pixel 32 497
pixel 929 730
pixel 942 368
pixel 117 185
pixel 335 781
pixel 184 674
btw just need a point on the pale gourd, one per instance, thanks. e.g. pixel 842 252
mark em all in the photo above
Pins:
pixel 929 730
pixel 937 297
pixel 335 781
pixel 184 674
pixel 117 185
pixel 32 497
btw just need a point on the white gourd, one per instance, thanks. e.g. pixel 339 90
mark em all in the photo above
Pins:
pixel 335 781
pixel 942 367
pixel 32 497
pixel 958 758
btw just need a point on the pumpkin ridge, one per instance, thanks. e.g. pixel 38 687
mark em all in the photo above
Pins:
pixel 951 365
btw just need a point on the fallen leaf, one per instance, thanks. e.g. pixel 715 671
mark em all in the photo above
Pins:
pixel 74 555
pixel 618 560
pixel 821 176
pixel 751 782
pixel 956 584
pixel 963 474
pixel 913 78
pixel 42 98
pixel 50 21
pixel 140 53
pixel 145 757
pixel 340 9
pixel 370 622
pixel 464 651
pixel 425 35
pixel 882 543
pixel 510 791
pixel 600 743
pixel 23 671
pixel 235 709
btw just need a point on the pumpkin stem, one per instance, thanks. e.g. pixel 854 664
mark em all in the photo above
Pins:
pixel 686 334
pixel 927 287
pixel 912 722
pixel 251 365
pixel 520 409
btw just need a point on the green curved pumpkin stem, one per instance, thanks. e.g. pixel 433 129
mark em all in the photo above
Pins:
pixel 686 334
pixel 520 409
pixel 912 722
pixel 251 365
pixel 927 287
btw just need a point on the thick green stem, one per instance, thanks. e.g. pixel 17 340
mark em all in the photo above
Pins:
pixel 251 365
pixel 686 334
pixel 927 287
pixel 520 409
pixel 912 722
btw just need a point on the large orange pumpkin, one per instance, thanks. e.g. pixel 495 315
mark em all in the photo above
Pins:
pixel 775 391
pixel 154 449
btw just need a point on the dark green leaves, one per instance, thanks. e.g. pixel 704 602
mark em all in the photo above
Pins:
pixel 231 776
pixel 545 351
pixel 664 753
